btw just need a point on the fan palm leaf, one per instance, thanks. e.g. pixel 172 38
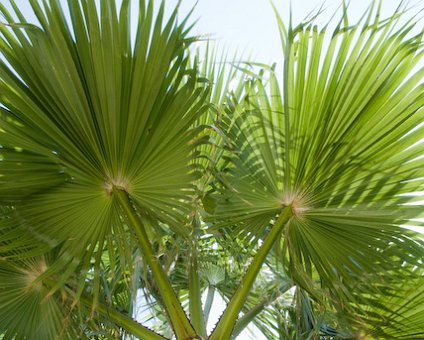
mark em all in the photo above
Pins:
pixel 25 311
pixel 95 128
pixel 80 118
pixel 403 318
pixel 105 135
pixel 338 145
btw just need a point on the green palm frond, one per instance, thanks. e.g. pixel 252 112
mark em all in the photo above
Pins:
pixel 286 194
pixel 338 142
pixel 26 312
pixel 80 117
pixel 226 81
pixel 31 308
pixel 404 316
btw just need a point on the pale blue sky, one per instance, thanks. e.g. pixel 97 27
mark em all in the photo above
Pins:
pixel 249 26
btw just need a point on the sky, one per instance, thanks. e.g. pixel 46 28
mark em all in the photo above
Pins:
pixel 250 27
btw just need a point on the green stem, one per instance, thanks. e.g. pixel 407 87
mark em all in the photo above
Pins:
pixel 177 317
pixel 252 313
pixel 208 303
pixel 195 294
pixel 225 325
pixel 121 320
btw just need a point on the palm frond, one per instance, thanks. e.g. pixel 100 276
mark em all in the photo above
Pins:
pixel 25 311
pixel 404 316
pixel 339 143
pixel 84 110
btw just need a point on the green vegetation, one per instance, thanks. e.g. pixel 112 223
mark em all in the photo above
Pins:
pixel 146 165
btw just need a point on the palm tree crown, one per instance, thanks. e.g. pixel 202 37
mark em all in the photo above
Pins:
pixel 113 150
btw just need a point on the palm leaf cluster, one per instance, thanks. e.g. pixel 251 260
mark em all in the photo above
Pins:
pixel 339 144
pixel 71 130
pixel 131 163
pixel 25 308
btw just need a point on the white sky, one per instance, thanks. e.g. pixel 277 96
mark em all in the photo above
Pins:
pixel 249 26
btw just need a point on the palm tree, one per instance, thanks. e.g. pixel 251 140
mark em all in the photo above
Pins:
pixel 139 165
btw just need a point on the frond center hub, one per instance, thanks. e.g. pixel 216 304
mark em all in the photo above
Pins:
pixel 119 183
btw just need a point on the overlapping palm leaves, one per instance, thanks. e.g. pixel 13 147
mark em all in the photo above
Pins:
pixel 85 113
pixel 403 320
pixel 92 117
pixel 337 143
pixel 96 130
pixel 190 254
pixel 25 310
